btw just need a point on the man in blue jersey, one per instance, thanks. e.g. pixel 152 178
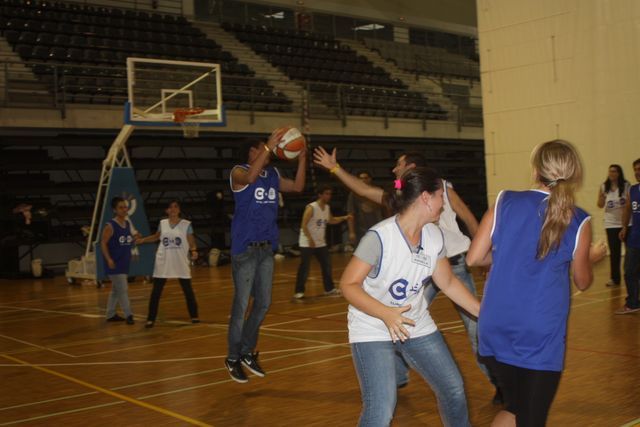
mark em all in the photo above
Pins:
pixel 632 256
pixel 254 239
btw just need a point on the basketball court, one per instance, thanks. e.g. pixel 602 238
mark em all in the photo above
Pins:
pixel 64 365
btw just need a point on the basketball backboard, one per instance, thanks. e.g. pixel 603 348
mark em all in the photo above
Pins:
pixel 158 88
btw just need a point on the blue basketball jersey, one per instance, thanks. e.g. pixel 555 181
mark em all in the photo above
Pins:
pixel 255 218
pixel 633 239
pixel 524 311
pixel 119 246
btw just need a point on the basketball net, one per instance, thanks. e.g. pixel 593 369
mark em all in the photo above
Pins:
pixel 190 129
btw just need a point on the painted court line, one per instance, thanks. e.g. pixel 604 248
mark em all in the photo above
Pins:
pixel 112 393
pixel 634 423
pixel 35 345
pixel 56 414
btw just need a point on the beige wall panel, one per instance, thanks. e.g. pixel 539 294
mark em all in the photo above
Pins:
pixel 495 14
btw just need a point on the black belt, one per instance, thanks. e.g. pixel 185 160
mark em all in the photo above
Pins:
pixel 454 259
pixel 259 244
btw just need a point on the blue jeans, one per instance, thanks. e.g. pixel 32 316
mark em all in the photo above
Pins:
pixel 471 325
pixel 322 255
pixel 119 295
pixel 429 355
pixel 632 276
pixel 252 272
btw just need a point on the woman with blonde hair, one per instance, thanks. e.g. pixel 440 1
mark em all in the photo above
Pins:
pixel 533 239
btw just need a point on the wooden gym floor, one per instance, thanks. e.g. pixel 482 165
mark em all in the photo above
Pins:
pixel 62 364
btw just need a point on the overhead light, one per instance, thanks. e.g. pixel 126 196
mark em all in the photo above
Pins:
pixel 369 27
pixel 277 15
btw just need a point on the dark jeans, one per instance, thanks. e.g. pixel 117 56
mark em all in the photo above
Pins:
pixel 322 255
pixel 615 247
pixel 252 272
pixel 158 286
pixel 632 276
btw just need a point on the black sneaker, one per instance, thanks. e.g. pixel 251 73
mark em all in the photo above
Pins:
pixel 235 371
pixel 250 361
pixel 115 318
pixel 130 320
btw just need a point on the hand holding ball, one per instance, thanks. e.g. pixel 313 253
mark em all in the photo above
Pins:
pixel 290 145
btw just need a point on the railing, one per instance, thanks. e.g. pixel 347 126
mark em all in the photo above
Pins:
pixel 59 85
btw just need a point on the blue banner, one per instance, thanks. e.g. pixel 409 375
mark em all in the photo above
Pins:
pixel 123 184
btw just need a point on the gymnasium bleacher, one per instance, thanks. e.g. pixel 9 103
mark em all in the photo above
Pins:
pixel 80 51
pixel 336 73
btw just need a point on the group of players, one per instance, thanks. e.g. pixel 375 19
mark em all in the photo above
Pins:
pixel 532 240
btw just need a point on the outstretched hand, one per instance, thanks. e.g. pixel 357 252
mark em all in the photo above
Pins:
pixel 597 252
pixel 395 321
pixel 322 158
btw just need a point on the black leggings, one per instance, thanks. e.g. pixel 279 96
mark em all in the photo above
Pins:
pixel 527 393
pixel 154 302
pixel 615 247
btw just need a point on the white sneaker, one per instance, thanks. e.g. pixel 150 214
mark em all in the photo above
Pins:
pixel 298 295
pixel 611 284
pixel 333 293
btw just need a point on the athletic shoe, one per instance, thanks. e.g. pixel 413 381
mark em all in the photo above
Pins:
pixel 250 361
pixel 115 318
pixel 298 295
pixel 626 310
pixel 130 320
pixel 235 371
pixel 333 293
pixel 149 324
pixel 611 284
pixel 195 320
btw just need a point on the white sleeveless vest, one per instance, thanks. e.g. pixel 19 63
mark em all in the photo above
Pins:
pixel 399 282
pixel 317 226
pixel 172 256
pixel 455 241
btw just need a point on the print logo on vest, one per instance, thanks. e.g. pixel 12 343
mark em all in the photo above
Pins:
pixel 400 290
pixel 634 206
pixel 259 195
pixel 320 222
pixel 174 242
pixel 125 240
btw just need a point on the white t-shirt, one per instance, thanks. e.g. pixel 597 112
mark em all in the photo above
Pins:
pixel 172 256
pixel 399 281
pixel 317 226
pixel 614 205
pixel 455 241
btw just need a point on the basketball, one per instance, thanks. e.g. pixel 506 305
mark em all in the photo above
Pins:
pixel 290 145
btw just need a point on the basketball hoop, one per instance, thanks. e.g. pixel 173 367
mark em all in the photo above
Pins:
pixel 190 129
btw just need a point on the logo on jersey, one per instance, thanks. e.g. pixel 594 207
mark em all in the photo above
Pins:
pixel 173 242
pixel 125 240
pixel 321 222
pixel 400 290
pixel 260 194
pixel 634 206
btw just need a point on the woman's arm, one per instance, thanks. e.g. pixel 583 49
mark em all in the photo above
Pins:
pixel 601 198
pixel 585 256
pixel 304 225
pixel 454 289
pixel 193 247
pixel 479 253
pixel 351 286
pixel 148 239
pixel 107 232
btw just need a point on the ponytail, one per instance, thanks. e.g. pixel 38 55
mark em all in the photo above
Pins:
pixel 559 168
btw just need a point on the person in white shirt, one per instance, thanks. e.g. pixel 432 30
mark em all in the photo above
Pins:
pixel 312 241
pixel 384 285
pixel 175 252
pixel 612 196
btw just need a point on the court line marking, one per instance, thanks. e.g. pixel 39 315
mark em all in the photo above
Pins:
pixel 302 350
pixel 35 345
pixel 55 414
pixel 73 313
pixel 634 423
pixel 118 350
pixel 117 395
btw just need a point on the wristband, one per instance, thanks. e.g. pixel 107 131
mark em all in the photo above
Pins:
pixel 335 168
pixel 266 147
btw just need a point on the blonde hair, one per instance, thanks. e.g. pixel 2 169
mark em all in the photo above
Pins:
pixel 558 166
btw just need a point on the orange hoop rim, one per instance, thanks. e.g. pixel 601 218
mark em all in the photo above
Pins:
pixel 181 114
